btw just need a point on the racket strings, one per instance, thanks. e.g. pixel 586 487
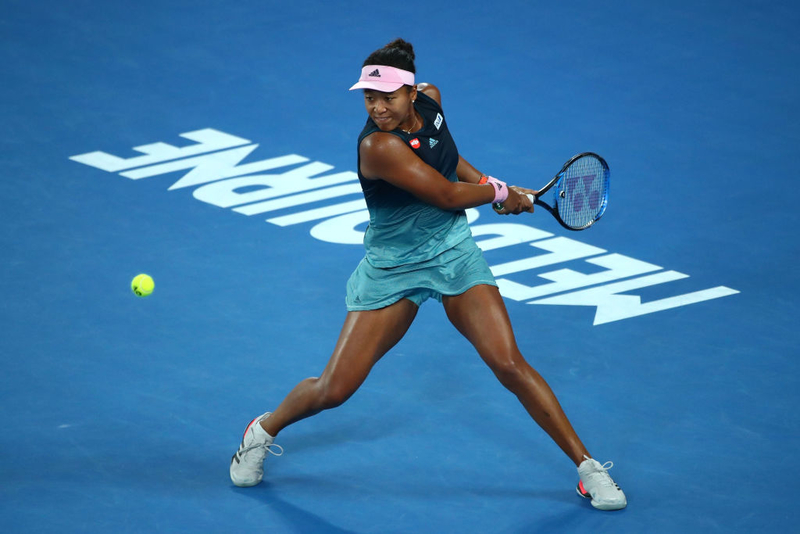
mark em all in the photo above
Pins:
pixel 582 197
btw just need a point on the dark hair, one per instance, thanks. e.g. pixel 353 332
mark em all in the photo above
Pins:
pixel 399 54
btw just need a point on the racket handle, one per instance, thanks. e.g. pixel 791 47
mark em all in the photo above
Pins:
pixel 497 206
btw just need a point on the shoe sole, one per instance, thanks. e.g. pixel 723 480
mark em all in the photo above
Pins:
pixel 244 484
pixel 605 507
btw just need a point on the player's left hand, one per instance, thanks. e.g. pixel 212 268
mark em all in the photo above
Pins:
pixel 517 201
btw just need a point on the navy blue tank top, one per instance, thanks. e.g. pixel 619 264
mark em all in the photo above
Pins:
pixel 402 228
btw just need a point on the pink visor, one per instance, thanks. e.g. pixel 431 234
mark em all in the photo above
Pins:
pixel 383 78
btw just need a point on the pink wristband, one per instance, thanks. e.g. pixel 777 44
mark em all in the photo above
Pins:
pixel 500 189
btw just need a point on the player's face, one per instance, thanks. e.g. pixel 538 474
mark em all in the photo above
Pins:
pixel 390 110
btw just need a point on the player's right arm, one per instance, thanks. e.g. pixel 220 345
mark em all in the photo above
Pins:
pixel 386 157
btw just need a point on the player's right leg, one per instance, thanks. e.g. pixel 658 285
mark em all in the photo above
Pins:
pixel 365 337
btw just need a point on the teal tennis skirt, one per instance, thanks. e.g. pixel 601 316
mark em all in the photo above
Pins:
pixel 450 273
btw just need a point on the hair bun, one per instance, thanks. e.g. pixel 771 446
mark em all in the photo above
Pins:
pixel 403 45
pixel 399 54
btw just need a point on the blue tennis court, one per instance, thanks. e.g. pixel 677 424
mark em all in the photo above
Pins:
pixel 212 145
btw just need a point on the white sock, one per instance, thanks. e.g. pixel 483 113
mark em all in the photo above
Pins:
pixel 261 434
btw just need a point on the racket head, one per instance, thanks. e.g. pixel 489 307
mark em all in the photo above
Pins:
pixel 580 193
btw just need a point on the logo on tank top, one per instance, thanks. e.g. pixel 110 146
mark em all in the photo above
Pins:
pixel 438 121
pixel 414 143
pixel 433 142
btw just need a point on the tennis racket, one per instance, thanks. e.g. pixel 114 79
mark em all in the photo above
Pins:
pixel 579 192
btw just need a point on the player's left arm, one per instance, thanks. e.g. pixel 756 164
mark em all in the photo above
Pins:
pixel 465 171
pixel 430 90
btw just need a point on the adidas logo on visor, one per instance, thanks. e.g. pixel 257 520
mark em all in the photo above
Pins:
pixel 375 73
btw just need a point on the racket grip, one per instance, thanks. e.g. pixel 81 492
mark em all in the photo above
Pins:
pixel 498 206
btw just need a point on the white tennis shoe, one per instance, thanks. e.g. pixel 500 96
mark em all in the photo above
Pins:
pixel 597 485
pixel 247 465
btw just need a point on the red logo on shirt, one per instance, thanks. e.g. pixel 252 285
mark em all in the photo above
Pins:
pixel 414 143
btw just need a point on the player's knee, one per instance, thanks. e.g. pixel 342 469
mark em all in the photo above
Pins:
pixel 509 370
pixel 333 393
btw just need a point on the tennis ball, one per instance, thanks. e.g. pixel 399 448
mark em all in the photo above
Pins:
pixel 142 285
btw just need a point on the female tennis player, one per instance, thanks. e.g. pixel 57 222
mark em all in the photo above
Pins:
pixel 419 246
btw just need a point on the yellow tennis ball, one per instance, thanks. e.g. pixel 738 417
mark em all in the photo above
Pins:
pixel 142 285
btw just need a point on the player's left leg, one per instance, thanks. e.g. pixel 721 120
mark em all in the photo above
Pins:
pixel 481 316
